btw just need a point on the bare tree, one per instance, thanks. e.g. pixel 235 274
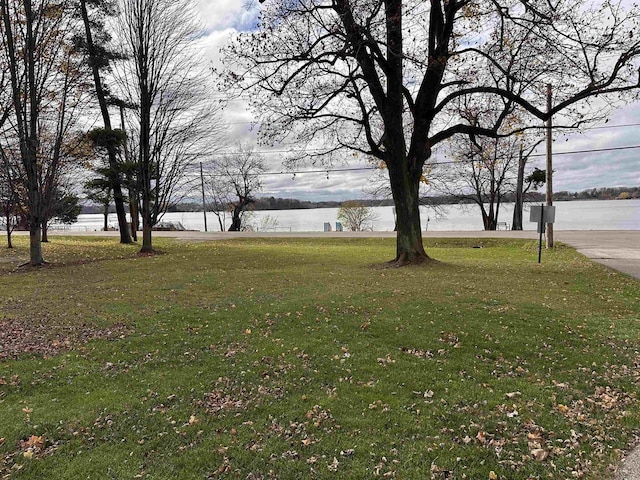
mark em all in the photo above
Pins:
pixel 47 91
pixel 219 191
pixel 237 177
pixel 386 77
pixel 10 187
pixel 356 216
pixel 484 172
pixel 165 82
pixel 61 201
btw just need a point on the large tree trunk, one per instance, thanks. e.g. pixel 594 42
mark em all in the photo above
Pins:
pixel 236 214
pixel 147 225
pixel 35 245
pixel 405 187
pixel 236 220
pixel 118 199
pixel 147 246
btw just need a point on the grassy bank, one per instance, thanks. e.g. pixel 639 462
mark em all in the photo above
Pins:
pixel 304 359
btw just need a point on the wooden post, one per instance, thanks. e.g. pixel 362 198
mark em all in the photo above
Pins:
pixel 549 172
pixel 516 223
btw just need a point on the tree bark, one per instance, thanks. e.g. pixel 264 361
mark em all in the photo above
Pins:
pixel 9 242
pixel 35 245
pixel 118 199
pixel 405 186
pixel 45 233
pixel 236 221
pixel 147 224
pixel 147 245
pixel 134 214
pixel 106 218
pixel 516 224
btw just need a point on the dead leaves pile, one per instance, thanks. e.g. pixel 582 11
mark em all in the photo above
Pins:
pixel 230 396
pixel 28 336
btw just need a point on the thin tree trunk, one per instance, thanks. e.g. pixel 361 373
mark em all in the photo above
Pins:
pixel 45 232
pixel 106 218
pixel 133 194
pixel 133 212
pixel 9 242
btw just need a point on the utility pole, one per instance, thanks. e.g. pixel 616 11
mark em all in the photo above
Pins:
pixel 516 223
pixel 204 203
pixel 549 173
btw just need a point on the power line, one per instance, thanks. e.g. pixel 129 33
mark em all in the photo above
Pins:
pixel 442 162
pixel 575 129
pixel 613 126
pixel 319 150
pixel 593 150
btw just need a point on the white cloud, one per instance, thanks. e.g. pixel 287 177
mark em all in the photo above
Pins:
pixel 221 14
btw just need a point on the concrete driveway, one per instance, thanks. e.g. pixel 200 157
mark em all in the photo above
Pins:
pixel 619 250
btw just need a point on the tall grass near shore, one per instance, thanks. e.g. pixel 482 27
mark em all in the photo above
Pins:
pixel 294 359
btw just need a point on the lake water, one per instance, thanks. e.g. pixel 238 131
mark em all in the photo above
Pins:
pixel 576 215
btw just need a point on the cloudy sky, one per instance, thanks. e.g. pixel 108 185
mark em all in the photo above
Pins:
pixel 573 172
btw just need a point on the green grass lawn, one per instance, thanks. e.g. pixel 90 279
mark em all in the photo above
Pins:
pixel 292 359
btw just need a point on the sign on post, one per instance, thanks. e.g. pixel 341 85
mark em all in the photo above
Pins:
pixel 542 214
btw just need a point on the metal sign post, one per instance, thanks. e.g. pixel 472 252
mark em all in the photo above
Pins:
pixel 542 215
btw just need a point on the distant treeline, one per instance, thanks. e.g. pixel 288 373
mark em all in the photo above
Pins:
pixel 273 203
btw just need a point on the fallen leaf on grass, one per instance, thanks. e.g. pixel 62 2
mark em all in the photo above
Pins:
pixel 34 441
pixel 539 454
pixel 193 420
